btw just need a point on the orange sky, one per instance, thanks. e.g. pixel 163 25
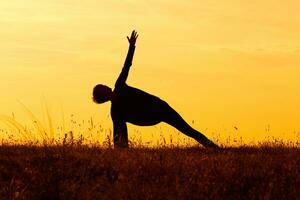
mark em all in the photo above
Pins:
pixel 219 64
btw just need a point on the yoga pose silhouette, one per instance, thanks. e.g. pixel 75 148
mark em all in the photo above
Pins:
pixel 129 104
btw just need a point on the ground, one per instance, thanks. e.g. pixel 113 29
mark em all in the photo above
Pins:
pixel 81 172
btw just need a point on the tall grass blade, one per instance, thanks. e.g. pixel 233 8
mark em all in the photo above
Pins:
pixel 50 124
pixel 37 123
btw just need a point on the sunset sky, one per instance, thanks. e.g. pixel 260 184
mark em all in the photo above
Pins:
pixel 221 64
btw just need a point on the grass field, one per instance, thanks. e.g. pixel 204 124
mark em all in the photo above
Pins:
pixel 81 172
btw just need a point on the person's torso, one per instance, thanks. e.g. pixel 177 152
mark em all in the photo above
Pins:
pixel 136 106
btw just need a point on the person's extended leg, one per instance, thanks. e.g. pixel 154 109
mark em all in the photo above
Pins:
pixel 120 134
pixel 174 119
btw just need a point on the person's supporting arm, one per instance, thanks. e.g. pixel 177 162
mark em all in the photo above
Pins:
pixel 128 61
pixel 120 134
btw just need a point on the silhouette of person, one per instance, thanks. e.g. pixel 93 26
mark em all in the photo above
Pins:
pixel 129 104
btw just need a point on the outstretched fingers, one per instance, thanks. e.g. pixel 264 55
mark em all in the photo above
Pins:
pixel 133 37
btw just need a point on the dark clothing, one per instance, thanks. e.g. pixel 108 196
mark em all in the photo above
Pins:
pixel 140 108
pixel 135 106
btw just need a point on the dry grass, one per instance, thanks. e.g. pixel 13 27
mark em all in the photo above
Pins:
pixel 81 172
pixel 44 162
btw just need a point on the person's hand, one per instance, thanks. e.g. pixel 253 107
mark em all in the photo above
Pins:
pixel 132 38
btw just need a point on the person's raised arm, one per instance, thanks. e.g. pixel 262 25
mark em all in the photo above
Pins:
pixel 128 61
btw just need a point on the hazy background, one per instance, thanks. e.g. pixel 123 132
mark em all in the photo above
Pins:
pixel 219 64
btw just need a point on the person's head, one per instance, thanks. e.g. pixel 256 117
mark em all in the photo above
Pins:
pixel 102 93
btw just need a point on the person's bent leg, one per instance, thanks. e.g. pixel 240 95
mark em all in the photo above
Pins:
pixel 174 119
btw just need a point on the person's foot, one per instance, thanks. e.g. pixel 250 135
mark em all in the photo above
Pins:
pixel 210 144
